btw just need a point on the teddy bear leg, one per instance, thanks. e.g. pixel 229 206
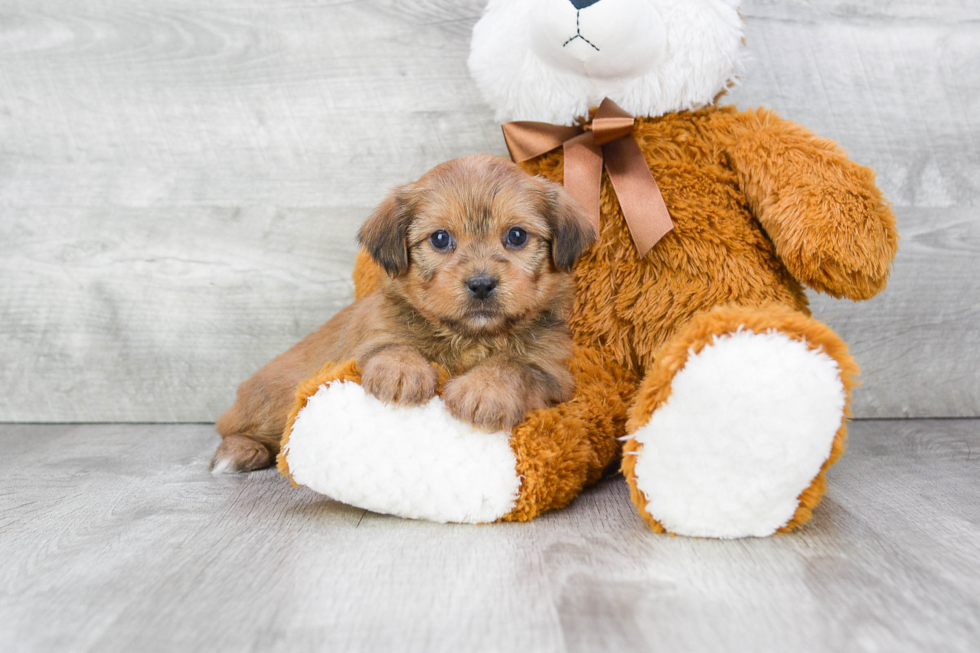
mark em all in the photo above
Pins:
pixel 422 463
pixel 736 423
pixel 561 451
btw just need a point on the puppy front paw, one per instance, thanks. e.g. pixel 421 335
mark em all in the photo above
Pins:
pixel 489 399
pixel 400 375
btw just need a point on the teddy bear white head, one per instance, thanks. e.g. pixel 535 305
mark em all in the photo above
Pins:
pixel 551 60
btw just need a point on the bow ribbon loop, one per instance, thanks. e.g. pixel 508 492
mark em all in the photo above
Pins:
pixel 608 142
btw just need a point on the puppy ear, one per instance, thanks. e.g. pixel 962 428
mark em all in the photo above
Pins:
pixel 385 233
pixel 571 231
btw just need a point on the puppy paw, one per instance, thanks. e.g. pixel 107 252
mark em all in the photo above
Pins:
pixel 491 399
pixel 400 375
pixel 237 453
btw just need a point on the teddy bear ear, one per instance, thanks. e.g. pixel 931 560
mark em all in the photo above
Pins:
pixel 571 230
pixel 385 233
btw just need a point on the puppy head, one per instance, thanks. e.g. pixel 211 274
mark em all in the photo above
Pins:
pixel 477 244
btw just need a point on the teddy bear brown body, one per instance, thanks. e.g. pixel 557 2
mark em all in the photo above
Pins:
pixel 760 207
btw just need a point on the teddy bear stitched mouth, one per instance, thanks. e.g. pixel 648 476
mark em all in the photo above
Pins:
pixel 578 34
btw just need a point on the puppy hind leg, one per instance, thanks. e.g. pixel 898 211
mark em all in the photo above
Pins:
pixel 240 453
pixel 253 427
pixel 246 445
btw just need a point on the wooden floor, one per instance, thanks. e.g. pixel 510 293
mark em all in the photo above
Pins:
pixel 116 538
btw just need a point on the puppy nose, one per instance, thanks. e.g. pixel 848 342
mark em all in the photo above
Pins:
pixel 481 285
pixel 582 4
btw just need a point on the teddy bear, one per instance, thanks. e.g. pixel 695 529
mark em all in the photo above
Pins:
pixel 699 369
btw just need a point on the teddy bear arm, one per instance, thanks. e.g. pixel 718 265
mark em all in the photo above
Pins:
pixel 367 274
pixel 829 222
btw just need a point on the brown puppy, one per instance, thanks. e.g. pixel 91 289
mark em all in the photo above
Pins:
pixel 478 255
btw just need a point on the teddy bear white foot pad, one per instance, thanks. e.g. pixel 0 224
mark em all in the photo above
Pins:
pixel 411 461
pixel 749 422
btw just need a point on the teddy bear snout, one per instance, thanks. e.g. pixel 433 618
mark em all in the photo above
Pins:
pixel 602 39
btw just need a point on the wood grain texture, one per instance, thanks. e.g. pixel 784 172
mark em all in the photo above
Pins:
pixel 116 538
pixel 180 182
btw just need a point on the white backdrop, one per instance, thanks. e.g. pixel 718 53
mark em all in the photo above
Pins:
pixel 181 181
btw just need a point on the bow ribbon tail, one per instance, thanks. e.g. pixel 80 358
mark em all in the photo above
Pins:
pixel 583 175
pixel 608 142
pixel 638 193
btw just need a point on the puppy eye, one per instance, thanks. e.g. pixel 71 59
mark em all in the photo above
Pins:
pixel 441 239
pixel 516 237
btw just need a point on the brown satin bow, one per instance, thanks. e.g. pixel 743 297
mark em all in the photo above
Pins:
pixel 608 141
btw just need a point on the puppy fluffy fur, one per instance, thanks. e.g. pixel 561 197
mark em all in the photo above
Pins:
pixel 478 255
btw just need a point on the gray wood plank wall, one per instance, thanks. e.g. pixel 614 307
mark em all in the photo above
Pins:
pixel 180 182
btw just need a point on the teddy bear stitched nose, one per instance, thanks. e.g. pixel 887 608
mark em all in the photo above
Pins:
pixel 582 4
